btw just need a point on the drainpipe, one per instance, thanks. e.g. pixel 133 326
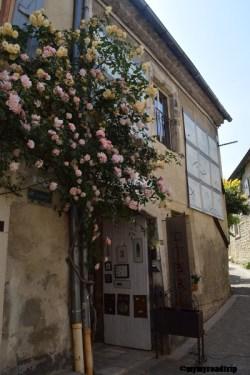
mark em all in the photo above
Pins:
pixel 87 335
pixel 83 9
pixel 76 318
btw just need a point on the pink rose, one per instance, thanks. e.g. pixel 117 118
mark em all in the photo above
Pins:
pixel 81 142
pixel 14 103
pixel 102 157
pixel 73 191
pixel 89 106
pixel 31 144
pixel 56 152
pixel 53 186
pixel 66 163
pixel 118 171
pixel 68 116
pixel 82 72
pixel 73 145
pixel 26 82
pixel 24 57
pixel 72 127
pixel 58 123
pixel 87 157
pixel 78 173
pixel 100 133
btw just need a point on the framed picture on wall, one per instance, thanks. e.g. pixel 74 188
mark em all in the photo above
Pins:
pixel 108 266
pixel 122 253
pixel 137 250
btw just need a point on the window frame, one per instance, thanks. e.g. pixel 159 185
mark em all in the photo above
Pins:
pixel 164 115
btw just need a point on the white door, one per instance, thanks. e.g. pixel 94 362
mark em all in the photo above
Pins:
pixel 126 286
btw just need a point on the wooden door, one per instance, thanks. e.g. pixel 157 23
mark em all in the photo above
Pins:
pixel 126 286
pixel 179 270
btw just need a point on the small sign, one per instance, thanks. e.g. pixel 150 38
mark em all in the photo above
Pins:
pixel 39 196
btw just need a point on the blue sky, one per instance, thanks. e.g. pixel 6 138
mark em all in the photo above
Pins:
pixel 215 34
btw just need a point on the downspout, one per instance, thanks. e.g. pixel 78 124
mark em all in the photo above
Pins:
pixel 76 313
pixel 76 317
pixel 83 10
pixel 85 295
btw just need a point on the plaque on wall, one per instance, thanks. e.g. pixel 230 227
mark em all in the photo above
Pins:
pixel 123 304
pixel 121 271
pixel 137 250
pixel 109 303
pixel 108 266
pixel 108 278
pixel 140 306
pixel 121 253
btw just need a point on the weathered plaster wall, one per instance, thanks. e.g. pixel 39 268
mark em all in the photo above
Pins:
pixel 4 217
pixel 36 329
pixel 60 13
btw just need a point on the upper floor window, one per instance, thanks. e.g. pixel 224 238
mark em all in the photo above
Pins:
pixel 162 119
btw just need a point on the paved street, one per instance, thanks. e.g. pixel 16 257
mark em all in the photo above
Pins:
pixel 227 343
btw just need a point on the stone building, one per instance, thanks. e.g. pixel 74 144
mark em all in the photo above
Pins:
pixel 239 248
pixel 191 230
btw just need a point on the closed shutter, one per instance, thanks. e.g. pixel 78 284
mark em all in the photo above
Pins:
pixel 23 9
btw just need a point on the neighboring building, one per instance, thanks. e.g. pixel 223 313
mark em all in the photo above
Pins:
pixel 239 248
pixel 191 230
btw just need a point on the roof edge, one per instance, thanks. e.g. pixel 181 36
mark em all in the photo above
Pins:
pixel 241 164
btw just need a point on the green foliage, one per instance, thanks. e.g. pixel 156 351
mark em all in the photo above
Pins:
pixel 236 202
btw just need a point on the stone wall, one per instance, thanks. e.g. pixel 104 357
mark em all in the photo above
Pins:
pixel 36 329
pixel 240 245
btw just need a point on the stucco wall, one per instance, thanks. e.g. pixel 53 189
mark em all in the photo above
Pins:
pixel 36 319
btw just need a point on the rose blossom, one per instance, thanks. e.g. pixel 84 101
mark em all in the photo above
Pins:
pixel 14 103
pixel 39 163
pixel 31 144
pixel 102 157
pixel 58 123
pixel 53 186
pixel 82 72
pixel 78 173
pixel 73 191
pixel 56 152
pixel 89 106
pixel 68 116
pixel 40 86
pixel 117 158
pixel 81 142
pixel 26 82
pixel 87 157
pixel 72 127
pixel 66 163
pixel 14 166
pixel 100 133
pixel 118 171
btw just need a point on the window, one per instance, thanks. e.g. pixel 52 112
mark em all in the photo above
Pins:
pixel 162 120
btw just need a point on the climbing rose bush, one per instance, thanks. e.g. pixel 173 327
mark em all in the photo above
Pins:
pixel 80 123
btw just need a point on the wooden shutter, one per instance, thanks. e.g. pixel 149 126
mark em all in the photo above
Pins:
pixel 23 9
pixel 179 262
